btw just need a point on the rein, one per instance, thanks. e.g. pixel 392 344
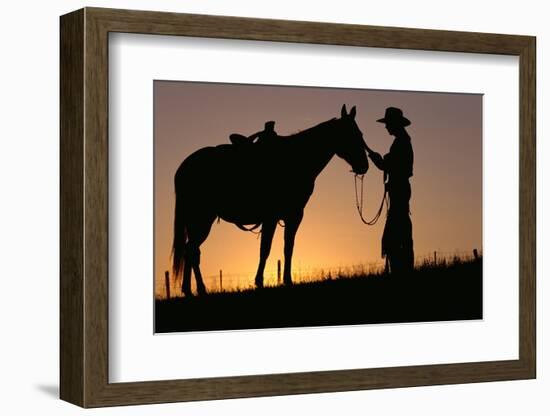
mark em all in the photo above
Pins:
pixel 359 202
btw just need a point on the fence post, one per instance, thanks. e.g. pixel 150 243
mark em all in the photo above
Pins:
pixel 475 254
pixel 221 280
pixel 167 283
pixel 278 272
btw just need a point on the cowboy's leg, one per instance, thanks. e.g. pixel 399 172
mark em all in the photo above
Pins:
pixel 388 243
pixel 404 257
pixel 392 237
pixel 403 251
pixel 391 242
pixel 408 246
pixel 408 237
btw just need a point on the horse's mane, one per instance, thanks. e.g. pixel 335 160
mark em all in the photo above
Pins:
pixel 309 131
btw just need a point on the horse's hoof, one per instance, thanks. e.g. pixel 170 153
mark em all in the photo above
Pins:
pixel 287 282
pixel 259 284
pixel 188 294
pixel 201 292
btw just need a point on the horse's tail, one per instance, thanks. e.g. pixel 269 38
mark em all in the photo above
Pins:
pixel 180 237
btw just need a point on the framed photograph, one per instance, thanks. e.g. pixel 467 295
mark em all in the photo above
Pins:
pixel 254 207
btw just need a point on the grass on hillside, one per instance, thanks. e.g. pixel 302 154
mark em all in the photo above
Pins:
pixel 448 290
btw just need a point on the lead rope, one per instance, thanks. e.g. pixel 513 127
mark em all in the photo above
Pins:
pixel 359 202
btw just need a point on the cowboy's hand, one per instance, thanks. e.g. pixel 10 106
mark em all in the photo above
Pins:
pixel 376 158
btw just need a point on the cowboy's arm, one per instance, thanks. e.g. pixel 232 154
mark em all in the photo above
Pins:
pixel 378 160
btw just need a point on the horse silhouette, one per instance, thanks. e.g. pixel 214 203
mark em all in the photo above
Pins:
pixel 256 185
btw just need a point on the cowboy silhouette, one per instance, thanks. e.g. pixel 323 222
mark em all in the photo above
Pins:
pixel 266 136
pixel 397 165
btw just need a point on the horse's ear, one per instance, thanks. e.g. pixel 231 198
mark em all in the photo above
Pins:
pixel 353 112
pixel 344 111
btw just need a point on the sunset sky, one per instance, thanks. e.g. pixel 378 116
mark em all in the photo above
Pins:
pixel 446 203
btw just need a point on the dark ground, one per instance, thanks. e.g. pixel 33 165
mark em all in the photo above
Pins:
pixel 442 292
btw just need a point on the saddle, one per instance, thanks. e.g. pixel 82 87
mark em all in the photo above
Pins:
pixel 239 139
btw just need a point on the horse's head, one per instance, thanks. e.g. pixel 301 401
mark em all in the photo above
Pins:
pixel 350 145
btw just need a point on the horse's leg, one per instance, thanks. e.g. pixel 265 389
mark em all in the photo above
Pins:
pixel 197 233
pixel 268 229
pixel 186 283
pixel 291 227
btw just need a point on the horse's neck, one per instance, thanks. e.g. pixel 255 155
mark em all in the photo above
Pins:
pixel 314 149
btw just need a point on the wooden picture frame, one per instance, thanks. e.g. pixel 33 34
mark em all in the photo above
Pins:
pixel 84 207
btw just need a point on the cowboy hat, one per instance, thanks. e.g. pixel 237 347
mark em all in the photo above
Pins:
pixel 394 117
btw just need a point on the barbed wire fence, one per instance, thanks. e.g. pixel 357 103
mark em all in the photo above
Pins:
pixel 228 282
